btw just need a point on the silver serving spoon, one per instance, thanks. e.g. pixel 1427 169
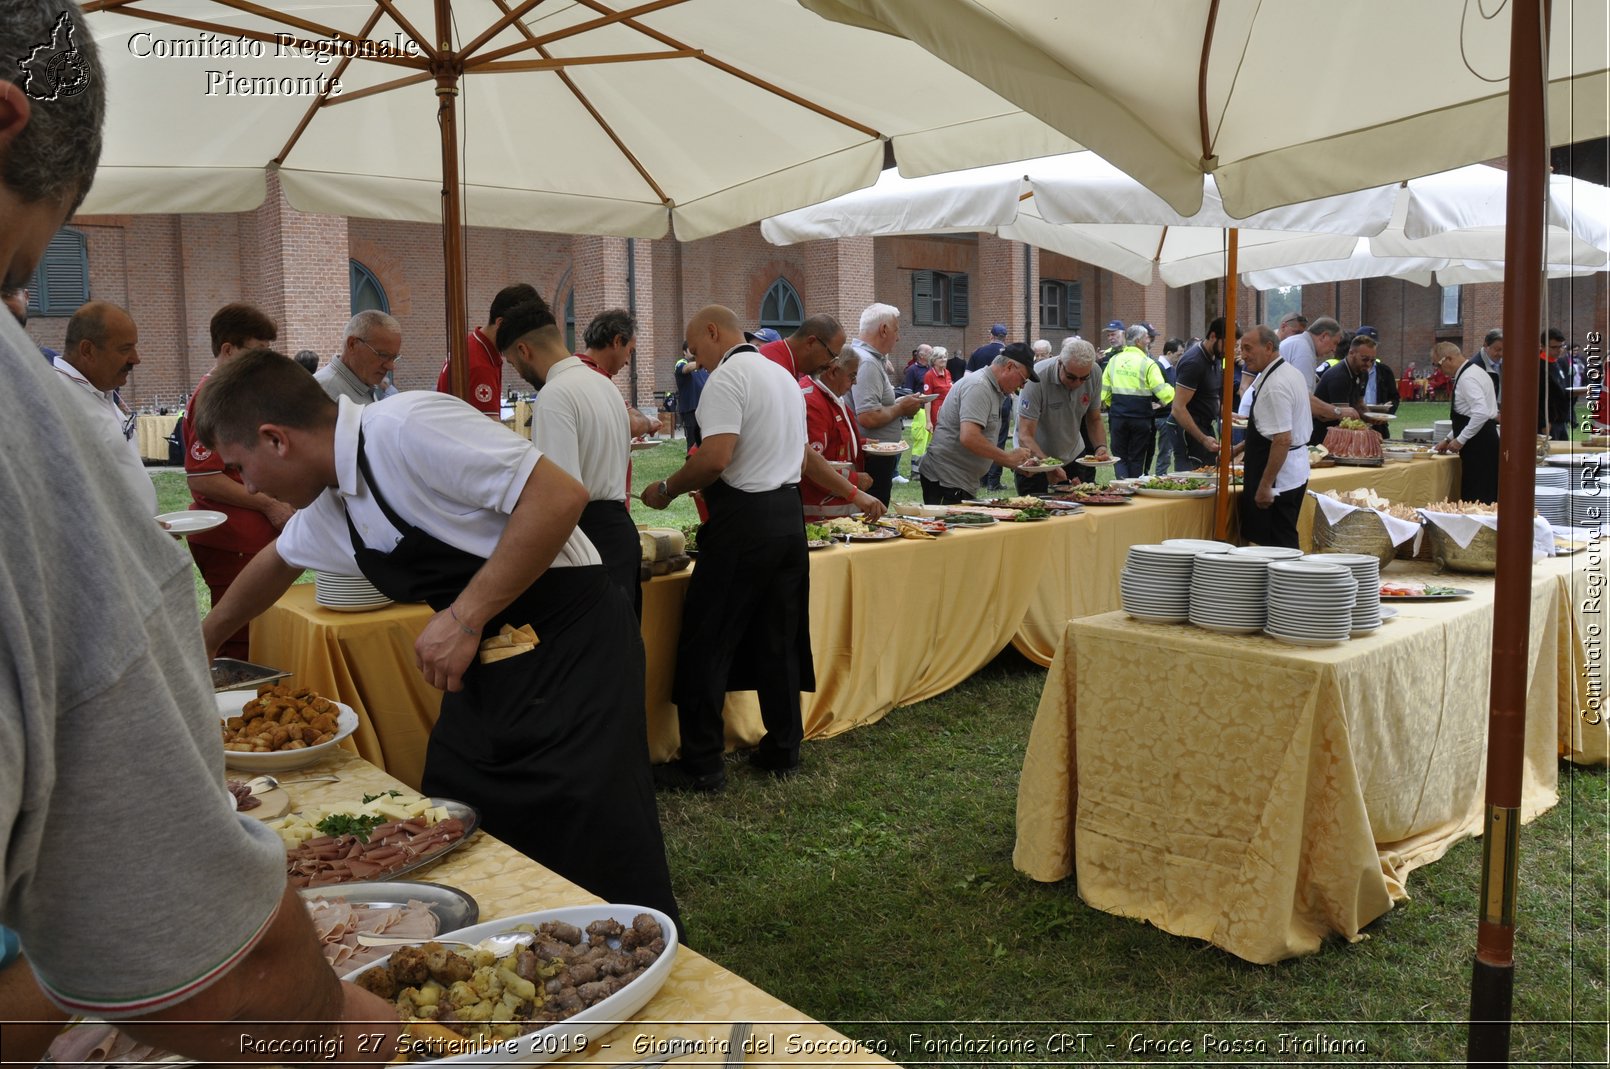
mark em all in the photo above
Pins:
pixel 497 944
pixel 265 783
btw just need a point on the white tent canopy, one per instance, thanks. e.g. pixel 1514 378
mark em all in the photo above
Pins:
pixel 1280 101
pixel 631 123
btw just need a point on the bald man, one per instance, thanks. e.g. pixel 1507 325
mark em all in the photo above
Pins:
pixel 745 623
pixel 102 347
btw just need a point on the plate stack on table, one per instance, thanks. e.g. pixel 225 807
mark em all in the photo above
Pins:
pixel 1587 507
pixel 1201 545
pixel 1554 476
pixel 1367 572
pixel 1156 583
pixel 1582 469
pixel 347 593
pixel 1553 504
pixel 1230 592
pixel 1310 604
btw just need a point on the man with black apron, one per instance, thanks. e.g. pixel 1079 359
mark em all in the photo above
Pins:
pixel 433 502
pixel 1475 424
pixel 1275 448
pixel 745 623
pixel 578 422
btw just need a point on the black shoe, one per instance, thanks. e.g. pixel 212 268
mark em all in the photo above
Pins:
pixel 774 762
pixel 673 777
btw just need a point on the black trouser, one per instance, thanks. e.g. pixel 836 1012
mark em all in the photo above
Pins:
pixel 1169 453
pixel 690 429
pixel 992 478
pixel 1130 439
pixel 1275 525
pixel 881 469
pixel 935 494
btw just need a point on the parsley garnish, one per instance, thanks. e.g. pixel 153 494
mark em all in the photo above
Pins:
pixel 337 824
pixel 383 794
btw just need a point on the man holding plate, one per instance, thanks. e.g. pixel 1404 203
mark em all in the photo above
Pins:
pixel 1061 412
pixel 963 446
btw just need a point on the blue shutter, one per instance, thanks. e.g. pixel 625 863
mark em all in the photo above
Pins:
pixel 61 283
pixel 958 300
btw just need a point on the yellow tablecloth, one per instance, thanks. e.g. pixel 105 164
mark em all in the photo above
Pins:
pixel 1259 795
pixel 151 432
pixel 700 999
pixel 891 623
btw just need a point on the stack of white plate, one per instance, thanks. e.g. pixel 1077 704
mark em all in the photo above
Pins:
pixel 1367 572
pixel 1554 476
pixel 1230 592
pixel 1583 469
pixel 1270 553
pixel 1441 428
pixel 1588 508
pixel 347 593
pixel 1553 504
pixel 1310 604
pixel 1201 545
pixel 1156 583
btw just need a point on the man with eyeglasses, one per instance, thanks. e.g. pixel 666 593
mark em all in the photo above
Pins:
pixel 1058 415
pixel 809 349
pixel 965 433
pixel 358 371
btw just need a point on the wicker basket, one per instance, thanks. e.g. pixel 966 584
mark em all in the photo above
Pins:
pixel 1481 556
pixel 1360 531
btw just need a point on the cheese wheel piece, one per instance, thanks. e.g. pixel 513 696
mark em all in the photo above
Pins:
pixel 660 543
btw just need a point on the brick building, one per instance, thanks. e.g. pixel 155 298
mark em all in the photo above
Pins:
pixel 173 271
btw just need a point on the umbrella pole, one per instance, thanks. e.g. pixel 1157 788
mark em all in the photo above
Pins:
pixel 447 69
pixel 1221 503
pixel 1493 973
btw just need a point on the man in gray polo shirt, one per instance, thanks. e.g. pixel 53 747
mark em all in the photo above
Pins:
pixel 358 371
pixel 1057 415
pixel 880 415
pixel 963 445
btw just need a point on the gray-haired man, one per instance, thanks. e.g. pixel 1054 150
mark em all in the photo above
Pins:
pixel 358 371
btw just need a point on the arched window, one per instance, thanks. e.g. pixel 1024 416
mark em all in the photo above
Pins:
pixel 367 292
pixel 782 310
pixel 61 282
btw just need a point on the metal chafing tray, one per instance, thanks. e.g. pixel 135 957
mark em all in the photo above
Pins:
pixel 230 674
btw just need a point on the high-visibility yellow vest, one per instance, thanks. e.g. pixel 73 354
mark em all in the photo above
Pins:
pixel 1130 383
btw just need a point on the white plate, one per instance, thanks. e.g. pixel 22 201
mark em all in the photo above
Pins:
pixel 1158 618
pixel 1388 613
pixel 1201 545
pixel 1296 640
pixel 1097 462
pixel 230 704
pixel 885 449
pixel 556 1040
pixel 1036 468
pixel 639 446
pixel 1206 491
pixel 192 521
pixel 1228 629
pixel 366 607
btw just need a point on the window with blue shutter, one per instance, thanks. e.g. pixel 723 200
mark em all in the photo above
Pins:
pixel 61 282
pixel 938 299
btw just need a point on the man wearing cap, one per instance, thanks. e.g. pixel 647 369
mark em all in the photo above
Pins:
pixel 817 341
pixel 1278 423
pixel 964 443
pixel 1115 342
pixel 1131 383
pixel 876 408
pixel 982 357
pixel 1291 324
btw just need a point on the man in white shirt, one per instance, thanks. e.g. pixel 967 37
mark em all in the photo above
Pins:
pixel 1275 448
pixel 433 502
pixel 746 622
pixel 371 350
pixel 579 423
pixel 1475 423
pixel 102 347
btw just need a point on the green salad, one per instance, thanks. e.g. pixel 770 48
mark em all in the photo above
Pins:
pixel 1176 484
pixel 817 532
pixel 1033 512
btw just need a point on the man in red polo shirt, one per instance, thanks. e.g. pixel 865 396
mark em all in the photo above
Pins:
pixel 486 363
pixel 816 343
pixel 254 519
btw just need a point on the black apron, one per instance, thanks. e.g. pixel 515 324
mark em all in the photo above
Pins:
pixel 746 622
pixel 1277 524
pixel 1478 458
pixel 551 746
pixel 609 527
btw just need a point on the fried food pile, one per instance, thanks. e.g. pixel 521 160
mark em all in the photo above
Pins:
pixel 280 718
pixel 478 994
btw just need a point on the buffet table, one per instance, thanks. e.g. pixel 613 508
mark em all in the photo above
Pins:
pixel 1259 795
pixel 151 433
pixel 699 1000
pixel 892 623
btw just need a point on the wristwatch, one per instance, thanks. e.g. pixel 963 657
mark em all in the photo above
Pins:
pixel 665 491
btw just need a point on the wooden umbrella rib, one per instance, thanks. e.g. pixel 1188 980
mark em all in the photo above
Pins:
pixel 290 20
pixel 603 124
pixel 533 41
pixel 559 63
pixel 1201 81
pixel 727 68
pixel 349 95
pixel 497 27
pixel 92 6
pixel 407 27
pixel 307 116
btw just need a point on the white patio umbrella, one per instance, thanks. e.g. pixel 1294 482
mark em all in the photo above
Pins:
pixel 1251 91
pixel 1081 206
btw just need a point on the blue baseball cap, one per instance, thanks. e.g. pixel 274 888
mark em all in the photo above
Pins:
pixel 764 334
pixel 1368 332
pixel 1117 324
pixel 998 330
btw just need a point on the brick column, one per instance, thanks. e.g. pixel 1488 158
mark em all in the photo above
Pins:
pixel 599 277
pixel 294 265
pixel 839 280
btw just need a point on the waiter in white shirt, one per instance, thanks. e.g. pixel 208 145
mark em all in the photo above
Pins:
pixel 579 423
pixel 433 502
pixel 102 347
pixel 1475 424
pixel 1278 426
pixel 745 624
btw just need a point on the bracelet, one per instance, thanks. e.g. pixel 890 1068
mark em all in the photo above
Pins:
pixel 460 623
pixel 665 488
